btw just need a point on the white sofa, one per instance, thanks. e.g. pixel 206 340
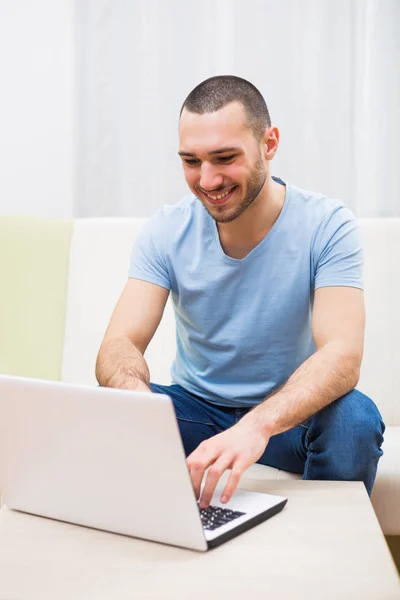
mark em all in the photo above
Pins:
pixel 99 252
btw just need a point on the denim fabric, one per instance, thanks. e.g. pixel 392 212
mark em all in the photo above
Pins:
pixel 342 442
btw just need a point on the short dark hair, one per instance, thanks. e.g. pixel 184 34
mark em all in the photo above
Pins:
pixel 216 92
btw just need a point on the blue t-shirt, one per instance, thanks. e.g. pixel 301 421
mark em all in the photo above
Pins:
pixel 243 326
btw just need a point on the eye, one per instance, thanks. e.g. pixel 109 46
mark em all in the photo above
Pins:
pixel 225 159
pixel 191 161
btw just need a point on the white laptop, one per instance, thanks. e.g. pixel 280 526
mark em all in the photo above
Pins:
pixel 113 460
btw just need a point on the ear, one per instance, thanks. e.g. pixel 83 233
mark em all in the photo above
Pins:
pixel 271 142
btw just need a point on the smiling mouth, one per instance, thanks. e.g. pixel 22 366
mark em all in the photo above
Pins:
pixel 221 198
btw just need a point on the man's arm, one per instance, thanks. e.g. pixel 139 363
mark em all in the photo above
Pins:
pixel 138 312
pixel 338 329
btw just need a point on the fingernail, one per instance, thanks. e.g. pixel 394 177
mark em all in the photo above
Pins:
pixel 224 499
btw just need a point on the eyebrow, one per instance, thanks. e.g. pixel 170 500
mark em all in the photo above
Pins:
pixel 213 152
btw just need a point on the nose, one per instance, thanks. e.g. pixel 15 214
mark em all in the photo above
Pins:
pixel 210 179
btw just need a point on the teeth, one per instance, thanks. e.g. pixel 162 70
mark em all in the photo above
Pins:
pixel 220 196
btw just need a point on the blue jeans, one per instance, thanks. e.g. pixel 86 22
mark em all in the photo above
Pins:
pixel 341 442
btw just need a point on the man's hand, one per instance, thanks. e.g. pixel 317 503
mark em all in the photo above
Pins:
pixel 236 448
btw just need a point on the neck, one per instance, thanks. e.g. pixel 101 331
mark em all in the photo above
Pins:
pixel 255 222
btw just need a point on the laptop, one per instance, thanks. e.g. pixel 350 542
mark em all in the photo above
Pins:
pixel 113 460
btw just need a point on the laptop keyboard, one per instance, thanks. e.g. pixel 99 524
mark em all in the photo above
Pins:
pixel 215 516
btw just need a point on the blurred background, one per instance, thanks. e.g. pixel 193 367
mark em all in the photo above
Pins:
pixel 91 91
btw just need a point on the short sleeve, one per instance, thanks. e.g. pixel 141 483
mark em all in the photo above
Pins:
pixel 148 257
pixel 337 253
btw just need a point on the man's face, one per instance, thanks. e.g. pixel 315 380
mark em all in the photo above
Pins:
pixel 222 161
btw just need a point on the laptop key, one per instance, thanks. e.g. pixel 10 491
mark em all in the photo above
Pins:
pixel 215 516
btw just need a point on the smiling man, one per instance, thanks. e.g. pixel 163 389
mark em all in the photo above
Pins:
pixel 266 283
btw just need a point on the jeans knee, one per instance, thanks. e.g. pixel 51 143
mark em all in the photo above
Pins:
pixel 355 417
pixel 344 440
pixel 364 417
pixel 349 434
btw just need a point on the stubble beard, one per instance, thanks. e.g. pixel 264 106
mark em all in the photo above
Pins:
pixel 254 187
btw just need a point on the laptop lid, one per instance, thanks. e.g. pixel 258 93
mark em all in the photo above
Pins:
pixel 105 458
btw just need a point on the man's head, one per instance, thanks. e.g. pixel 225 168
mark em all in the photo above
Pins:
pixel 215 93
pixel 226 141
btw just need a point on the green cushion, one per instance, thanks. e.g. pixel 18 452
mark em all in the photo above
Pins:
pixel 34 256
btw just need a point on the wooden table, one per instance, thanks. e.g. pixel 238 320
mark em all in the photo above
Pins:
pixel 325 544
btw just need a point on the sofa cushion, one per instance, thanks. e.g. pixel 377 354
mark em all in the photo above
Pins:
pixel 33 266
pixel 381 240
pixel 386 493
pixel 99 260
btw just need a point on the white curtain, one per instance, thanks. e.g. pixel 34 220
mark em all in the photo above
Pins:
pixel 328 69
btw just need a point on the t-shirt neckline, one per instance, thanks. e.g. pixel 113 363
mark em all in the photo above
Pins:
pixel 266 239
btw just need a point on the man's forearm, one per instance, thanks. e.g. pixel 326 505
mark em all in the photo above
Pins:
pixel 121 365
pixel 324 377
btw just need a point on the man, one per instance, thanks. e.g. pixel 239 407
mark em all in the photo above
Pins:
pixel 266 284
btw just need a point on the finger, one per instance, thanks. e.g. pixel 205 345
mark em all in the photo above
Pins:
pixel 238 469
pixel 198 462
pixel 213 476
